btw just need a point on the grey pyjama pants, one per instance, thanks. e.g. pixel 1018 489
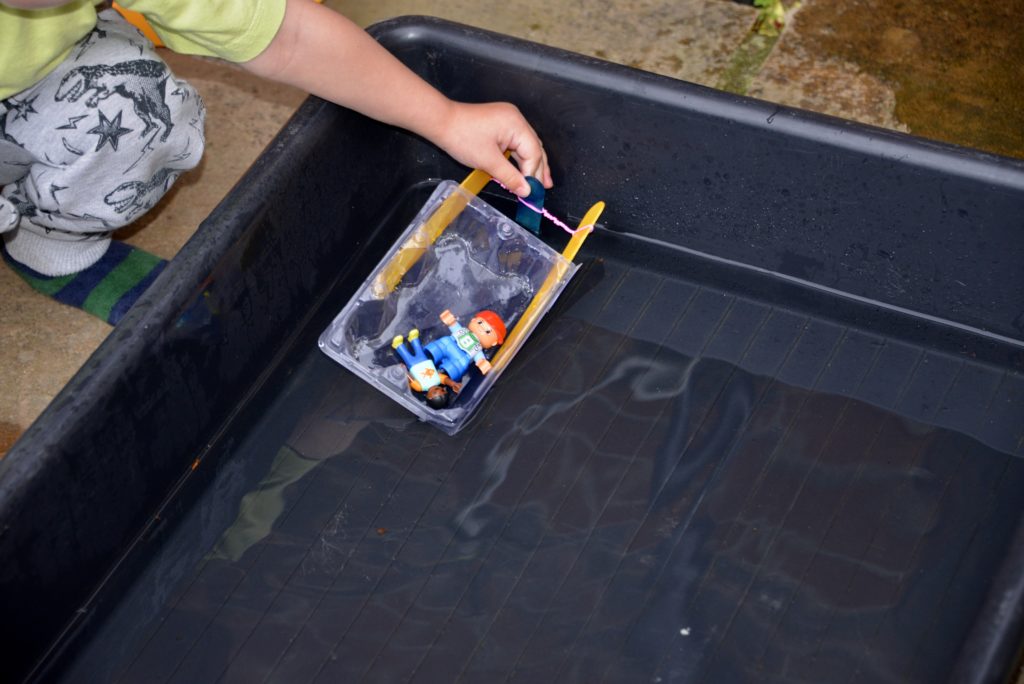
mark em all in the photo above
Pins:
pixel 92 147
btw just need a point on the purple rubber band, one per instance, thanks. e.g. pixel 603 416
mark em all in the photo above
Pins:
pixel 546 214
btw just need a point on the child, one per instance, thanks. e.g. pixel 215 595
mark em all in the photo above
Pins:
pixel 94 129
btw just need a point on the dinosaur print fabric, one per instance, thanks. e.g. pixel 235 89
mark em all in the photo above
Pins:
pixel 92 147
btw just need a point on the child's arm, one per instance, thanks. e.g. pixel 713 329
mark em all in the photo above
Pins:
pixel 324 53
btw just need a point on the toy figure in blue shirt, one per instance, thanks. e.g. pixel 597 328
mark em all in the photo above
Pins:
pixel 444 361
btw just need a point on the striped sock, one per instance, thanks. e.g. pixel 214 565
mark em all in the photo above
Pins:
pixel 107 289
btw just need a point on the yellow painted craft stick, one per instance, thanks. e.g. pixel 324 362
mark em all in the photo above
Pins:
pixel 413 249
pixel 516 338
pixel 586 226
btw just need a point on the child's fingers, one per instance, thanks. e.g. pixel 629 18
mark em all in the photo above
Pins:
pixel 503 171
pixel 532 159
pixel 545 174
pixel 481 134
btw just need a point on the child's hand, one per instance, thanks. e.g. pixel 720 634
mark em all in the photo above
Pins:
pixel 478 135
pixel 324 53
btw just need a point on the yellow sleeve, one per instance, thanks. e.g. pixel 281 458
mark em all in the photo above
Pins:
pixel 34 42
pixel 235 30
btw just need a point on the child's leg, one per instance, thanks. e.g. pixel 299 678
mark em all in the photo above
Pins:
pixel 106 135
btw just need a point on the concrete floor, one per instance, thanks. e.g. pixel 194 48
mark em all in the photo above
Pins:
pixel 704 41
